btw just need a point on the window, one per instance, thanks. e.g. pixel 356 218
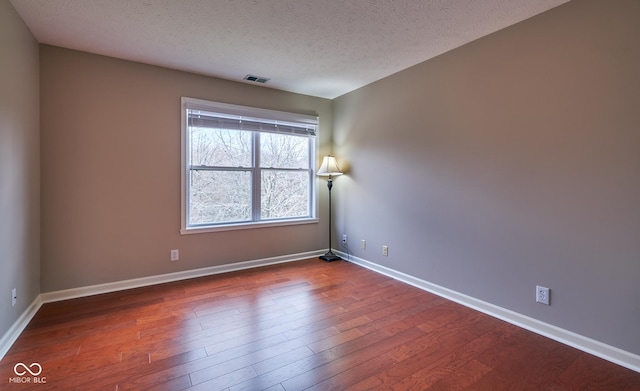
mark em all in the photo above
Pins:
pixel 245 167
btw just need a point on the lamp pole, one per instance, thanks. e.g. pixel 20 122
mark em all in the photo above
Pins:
pixel 330 256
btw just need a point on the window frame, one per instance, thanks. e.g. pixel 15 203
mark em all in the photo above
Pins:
pixel 256 169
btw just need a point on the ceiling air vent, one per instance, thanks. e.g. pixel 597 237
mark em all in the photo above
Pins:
pixel 256 79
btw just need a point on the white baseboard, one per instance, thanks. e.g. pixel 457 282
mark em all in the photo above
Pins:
pixel 597 348
pixel 16 329
pixel 18 326
pixel 73 293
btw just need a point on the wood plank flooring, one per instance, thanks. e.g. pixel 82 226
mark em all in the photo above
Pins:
pixel 296 326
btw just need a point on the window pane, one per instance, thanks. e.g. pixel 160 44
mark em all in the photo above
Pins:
pixel 220 147
pixel 245 167
pixel 219 197
pixel 285 194
pixel 283 151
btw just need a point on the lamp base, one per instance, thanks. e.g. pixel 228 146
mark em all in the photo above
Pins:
pixel 330 257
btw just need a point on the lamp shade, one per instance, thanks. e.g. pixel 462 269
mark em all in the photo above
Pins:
pixel 329 167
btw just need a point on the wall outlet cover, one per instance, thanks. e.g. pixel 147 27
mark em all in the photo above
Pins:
pixel 542 295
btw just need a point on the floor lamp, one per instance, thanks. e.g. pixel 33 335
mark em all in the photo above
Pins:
pixel 329 168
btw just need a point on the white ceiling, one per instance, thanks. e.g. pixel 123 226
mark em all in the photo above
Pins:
pixel 323 48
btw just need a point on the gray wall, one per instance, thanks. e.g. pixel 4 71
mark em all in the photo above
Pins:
pixel 19 166
pixel 111 171
pixel 509 162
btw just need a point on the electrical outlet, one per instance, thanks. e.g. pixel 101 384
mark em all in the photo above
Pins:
pixel 14 297
pixel 385 251
pixel 363 244
pixel 175 255
pixel 542 295
pixel 344 239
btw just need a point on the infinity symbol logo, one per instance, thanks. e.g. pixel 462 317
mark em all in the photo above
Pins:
pixel 27 369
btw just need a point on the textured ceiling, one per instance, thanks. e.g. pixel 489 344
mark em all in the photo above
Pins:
pixel 322 48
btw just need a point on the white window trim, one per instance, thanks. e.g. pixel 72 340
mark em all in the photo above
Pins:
pixel 205 105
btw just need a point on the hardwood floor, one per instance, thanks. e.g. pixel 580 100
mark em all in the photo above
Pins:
pixel 295 326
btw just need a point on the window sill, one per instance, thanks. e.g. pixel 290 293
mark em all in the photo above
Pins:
pixel 250 225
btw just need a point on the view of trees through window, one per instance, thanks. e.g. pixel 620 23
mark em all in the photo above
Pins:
pixel 229 170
